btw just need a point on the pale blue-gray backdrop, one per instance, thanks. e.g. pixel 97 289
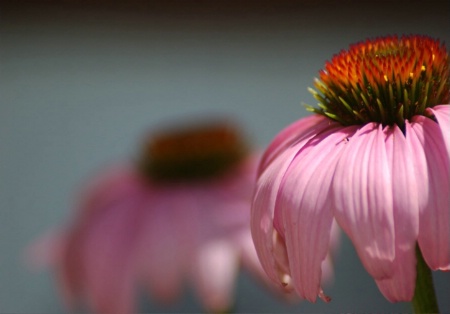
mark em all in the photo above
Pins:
pixel 80 82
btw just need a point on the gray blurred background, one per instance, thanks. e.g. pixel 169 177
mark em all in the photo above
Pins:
pixel 80 82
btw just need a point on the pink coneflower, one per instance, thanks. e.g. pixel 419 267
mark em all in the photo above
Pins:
pixel 374 157
pixel 181 212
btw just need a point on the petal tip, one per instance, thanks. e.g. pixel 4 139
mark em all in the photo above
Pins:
pixel 324 297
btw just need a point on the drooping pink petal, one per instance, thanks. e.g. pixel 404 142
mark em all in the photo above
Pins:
pixel 363 199
pixel 249 257
pixel 250 262
pixel 442 114
pixel 306 208
pixel 287 137
pixel 103 193
pixel 434 227
pixel 262 213
pixel 108 255
pixel 115 183
pixel 225 208
pixel 327 272
pixel 215 271
pixel 51 250
pixel 70 270
pixel 282 262
pixel 400 286
pixel 47 250
pixel 164 244
pixel 335 239
pixel 407 197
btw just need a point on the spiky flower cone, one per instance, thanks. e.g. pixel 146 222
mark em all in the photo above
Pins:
pixel 386 80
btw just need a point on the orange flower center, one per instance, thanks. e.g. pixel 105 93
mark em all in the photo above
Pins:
pixel 385 80
pixel 192 153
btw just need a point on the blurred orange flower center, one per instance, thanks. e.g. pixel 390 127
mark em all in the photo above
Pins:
pixel 193 153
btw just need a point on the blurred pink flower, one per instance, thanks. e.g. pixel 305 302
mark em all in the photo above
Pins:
pixel 161 223
pixel 375 158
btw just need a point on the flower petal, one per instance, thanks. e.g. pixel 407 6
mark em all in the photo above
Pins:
pixel 111 185
pixel 109 255
pixel 400 286
pixel 262 213
pixel 402 162
pixel 161 251
pixel 442 114
pixel 306 208
pixel 287 137
pixel 434 228
pixel 47 250
pixel 327 263
pixel 70 270
pixel 364 202
pixel 214 274
pixel 249 257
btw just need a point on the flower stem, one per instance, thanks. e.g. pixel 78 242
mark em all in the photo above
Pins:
pixel 424 300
